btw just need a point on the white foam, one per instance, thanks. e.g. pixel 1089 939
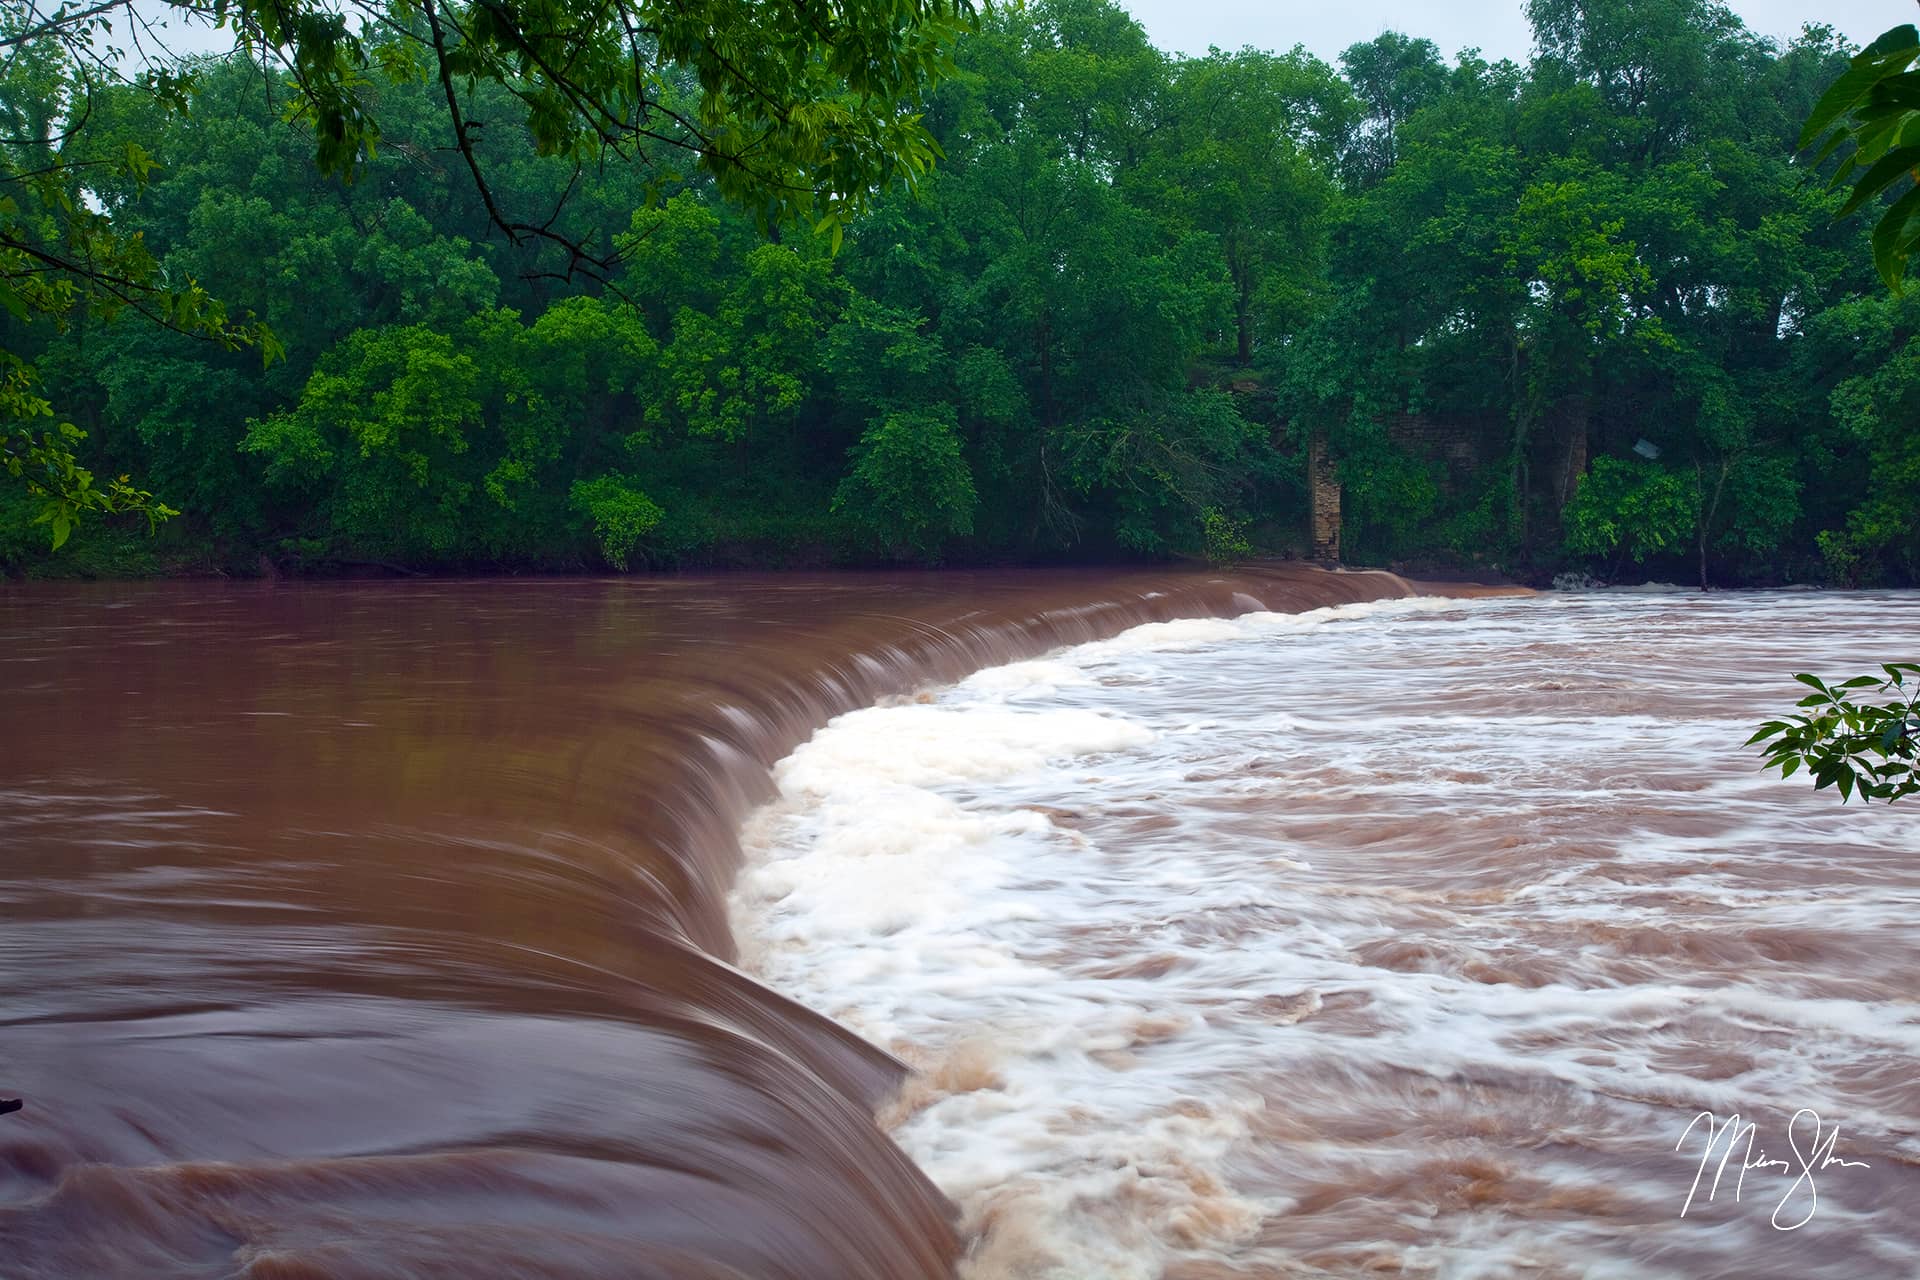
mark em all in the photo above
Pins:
pixel 925 745
pixel 1165 916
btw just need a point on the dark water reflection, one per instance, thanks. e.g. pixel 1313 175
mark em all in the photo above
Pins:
pixel 378 929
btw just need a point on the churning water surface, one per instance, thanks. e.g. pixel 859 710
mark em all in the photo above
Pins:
pixel 1399 938
pixel 373 930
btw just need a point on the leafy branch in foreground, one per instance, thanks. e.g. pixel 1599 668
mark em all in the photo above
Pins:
pixel 1876 105
pixel 63 257
pixel 1865 747
pixel 797 112
pixel 38 452
pixel 1869 748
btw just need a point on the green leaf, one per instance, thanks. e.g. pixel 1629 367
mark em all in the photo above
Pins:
pixel 1901 38
pixel 1885 171
pixel 1896 93
pixel 1870 66
pixel 1889 239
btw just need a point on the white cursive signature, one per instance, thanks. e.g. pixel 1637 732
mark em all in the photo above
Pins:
pixel 1727 1138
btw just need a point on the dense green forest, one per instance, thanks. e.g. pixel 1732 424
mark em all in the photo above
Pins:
pixel 1586 314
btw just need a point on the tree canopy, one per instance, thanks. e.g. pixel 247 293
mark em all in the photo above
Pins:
pixel 1594 312
pixel 795 112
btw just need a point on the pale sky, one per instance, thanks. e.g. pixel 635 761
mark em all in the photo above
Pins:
pixel 1497 27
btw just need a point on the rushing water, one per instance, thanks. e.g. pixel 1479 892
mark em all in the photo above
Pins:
pixel 378 930
pixel 1401 939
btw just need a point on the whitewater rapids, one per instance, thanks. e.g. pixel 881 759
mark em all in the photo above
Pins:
pixel 1401 937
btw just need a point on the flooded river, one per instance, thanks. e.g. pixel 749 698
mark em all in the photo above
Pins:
pixel 1396 939
pixel 379 929
pixel 461 930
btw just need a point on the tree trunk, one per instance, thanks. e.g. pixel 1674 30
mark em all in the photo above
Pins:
pixel 1043 336
pixel 1323 492
pixel 1576 415
pixel 1517 479
pixel 1242 305
pixel 1707 510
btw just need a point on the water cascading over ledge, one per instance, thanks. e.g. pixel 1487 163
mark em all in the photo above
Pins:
pixel 379 929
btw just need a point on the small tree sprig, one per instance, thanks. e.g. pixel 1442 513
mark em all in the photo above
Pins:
pixel 1858 747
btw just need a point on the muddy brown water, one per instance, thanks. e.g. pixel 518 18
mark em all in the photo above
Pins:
pixel 377 929
pixel 1421 938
